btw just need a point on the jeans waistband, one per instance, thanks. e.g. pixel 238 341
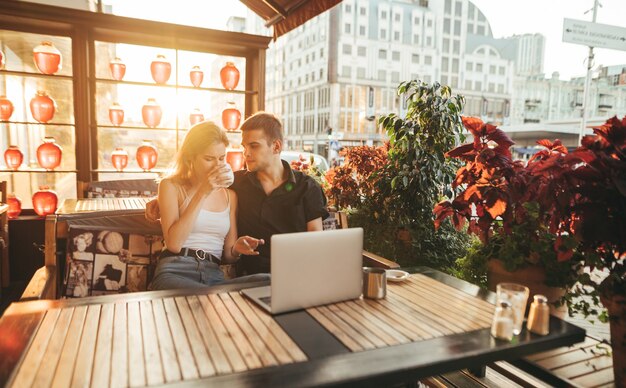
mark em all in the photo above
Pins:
pixel 195 253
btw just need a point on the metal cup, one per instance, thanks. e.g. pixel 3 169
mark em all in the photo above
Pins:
pixel 374 283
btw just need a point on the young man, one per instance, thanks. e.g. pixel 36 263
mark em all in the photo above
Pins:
pixel 272 198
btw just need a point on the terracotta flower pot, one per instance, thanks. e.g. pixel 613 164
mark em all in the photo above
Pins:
pixel 47 58
pixel 147 155
pixel 45 201
pixel 229 76
pixel 119 159
pixel 6 108
pixel 533 277
pixel 235 159
pixel 151 113
pixel 160 69
pixel 15 206
pixel 196 75
pixel 118 69
pixel 231 117
pixel 13 157
pixel 616 307
pixel 2 60
pixel 116 114
pixel 49 154
pixel 42 107
pixel 196 117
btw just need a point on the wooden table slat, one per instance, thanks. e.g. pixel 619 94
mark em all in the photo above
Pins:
pixel 102 359
pixel 154 368
pixel 199 351
pixel 249 356
pixel 449 290
pixel 188 365
pixel 119 351
pixel 585 367
pixel 136 373
pixel 589 342
pixel 408 328
pixel 232 352
pixel 84 361
pixel 394 331
pixel 171 368
pixel 601 377
pixel 426 326
pixel 381 331
pixel 359 325
pixel 69 353
pixel 335 330
pixel 45 374
pixel 352 333
pixel 218 358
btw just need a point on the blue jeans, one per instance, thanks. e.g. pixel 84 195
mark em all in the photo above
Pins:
pixel 174 272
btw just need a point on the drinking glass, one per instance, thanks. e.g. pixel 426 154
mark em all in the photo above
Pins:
pixel 517 296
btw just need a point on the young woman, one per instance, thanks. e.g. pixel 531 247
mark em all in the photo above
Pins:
pixel 198 214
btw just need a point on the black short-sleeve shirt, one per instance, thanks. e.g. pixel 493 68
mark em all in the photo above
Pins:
pixel 286 210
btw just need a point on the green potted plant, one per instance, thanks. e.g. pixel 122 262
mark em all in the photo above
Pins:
pixel 498 202
pixel 585 199
pixel 395 191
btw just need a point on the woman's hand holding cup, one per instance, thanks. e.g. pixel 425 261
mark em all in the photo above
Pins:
pixel 220 176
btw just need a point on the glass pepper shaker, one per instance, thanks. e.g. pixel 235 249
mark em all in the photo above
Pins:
pixel 503 317
pixel 539 316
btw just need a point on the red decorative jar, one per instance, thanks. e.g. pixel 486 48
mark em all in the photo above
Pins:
pixel 231 117
pixel 229 76
pixel 47 58
pixel 6 108
pixel 195 117
pixel 13 157
pixel 45 201
pixel 42 107
pixel 118 69
pixel 15 206
pixel 160 69
pixel 119 159
pixel 151 113
pixel 147 155
pixel 2 60
pixel 116 114
pixel 49 154
pixel 196 75
pixel 235 159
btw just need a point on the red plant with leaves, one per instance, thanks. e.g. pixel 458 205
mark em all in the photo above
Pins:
pixel 352 182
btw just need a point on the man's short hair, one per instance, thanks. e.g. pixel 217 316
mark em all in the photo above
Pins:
pixel 270 124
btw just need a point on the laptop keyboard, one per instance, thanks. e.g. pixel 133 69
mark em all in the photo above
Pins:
pixel 267 300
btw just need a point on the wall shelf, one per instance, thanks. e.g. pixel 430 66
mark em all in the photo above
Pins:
pixel 153 84
pixel 144 128
pixel 38 171
pixel 37 123
pixel 130 171
pixel 36 75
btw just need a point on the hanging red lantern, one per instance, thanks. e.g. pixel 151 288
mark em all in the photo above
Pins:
pixel 45 201
pixel 116 114
pixel 151 113
pixel 160 69
pixel 196 75
pixel 2 60
pixel 15 206
pixel 119 159
pixel 147 155
pixel 47 58
pixel 6 108
pixel 42 107
pixel 229 76
pixel 231 117
pixel 195 117
pixel 235 159
pixel 13 157
pixel 49 154
pixel 118 69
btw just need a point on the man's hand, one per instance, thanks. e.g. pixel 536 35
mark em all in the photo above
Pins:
pixel 153 214
pixel 246 245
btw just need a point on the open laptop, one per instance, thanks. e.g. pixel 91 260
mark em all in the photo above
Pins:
pixel 311 269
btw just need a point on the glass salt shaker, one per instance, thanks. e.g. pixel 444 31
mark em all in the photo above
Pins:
pixel 503 318
pixel 539 316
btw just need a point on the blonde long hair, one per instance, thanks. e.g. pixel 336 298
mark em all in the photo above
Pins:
pixel 199 137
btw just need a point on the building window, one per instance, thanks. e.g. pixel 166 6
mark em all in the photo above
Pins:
pixel 382 54
pixel 478 86
pixel 457 27
pixel 479 67
pixel 448 6
pixel 416 39
pixel 468 85
pixel 383 34
pixel 492 87
pixel 346 71
pixel 383 14
pixel 362 11
pixel 501 70
pixel 395 76
pixel 395 55
pixel 492 69
pixel 480 30
pixel 446 45
pixel 416 20
pixel 347 28
pixel 458 7
pixel 500 88
pixel 396 17
pixel 382 75
pixel 455 65
pixel 444 63
pixel 429 41
pixel 362 30
pixel 456 47
pixel 415 58
pixel 444 80
pixel 347 49
pixel 348 8
pixel 469 66
pixel 429 23
pixel 446 25
pixel 396 36
pixel 428 60
pixel 361 51
pixel 360 72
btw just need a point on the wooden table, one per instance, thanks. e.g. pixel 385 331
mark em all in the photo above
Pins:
pixel 56 224
pixel 428 325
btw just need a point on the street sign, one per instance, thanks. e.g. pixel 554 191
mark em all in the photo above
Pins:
pixel 594 34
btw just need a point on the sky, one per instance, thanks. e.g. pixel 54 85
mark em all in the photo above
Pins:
pixel 506 17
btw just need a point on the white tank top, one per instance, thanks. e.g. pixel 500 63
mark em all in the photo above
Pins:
pixel 210 228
